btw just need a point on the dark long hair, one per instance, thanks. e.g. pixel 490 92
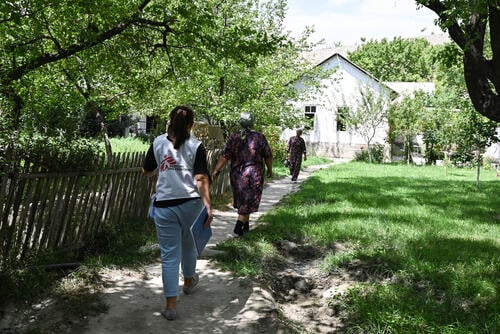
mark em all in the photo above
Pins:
pixel 180 118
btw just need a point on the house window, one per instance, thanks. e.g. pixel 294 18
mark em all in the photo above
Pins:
pixel 342 112
pixel 310 111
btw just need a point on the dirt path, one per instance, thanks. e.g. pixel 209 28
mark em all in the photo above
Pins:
pixel 221 303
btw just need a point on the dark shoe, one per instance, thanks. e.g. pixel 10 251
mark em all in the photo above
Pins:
pixel 189 289
pixel 246 227
pixel 169 314
pixel 238 228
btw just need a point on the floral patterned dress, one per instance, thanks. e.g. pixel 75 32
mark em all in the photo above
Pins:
pixel 247 156
pixel 296 148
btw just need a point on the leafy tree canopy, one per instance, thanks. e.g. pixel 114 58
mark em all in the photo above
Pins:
pixel 396 60
pixel 468 24
pixel 63 61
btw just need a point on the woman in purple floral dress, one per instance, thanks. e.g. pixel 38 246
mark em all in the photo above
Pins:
pixel 295 148
pixel 248 151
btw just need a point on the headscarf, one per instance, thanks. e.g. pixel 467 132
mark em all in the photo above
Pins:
pixel 246 122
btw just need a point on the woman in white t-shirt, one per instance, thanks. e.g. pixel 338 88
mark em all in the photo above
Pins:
pixel 182 189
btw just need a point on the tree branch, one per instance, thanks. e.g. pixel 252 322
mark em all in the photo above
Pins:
pixel 49 31
pixel 480 74
pixel 162 24
pixel 456 33
pixel 494 15
pixel 88 43
pixel 475 30
pixel 47 58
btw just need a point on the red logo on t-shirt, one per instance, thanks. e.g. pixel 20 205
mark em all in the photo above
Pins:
pixel 166 162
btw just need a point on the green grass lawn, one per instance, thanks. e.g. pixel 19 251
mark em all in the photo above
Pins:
pixel 128 144
pixel 430 243
pixel 280 171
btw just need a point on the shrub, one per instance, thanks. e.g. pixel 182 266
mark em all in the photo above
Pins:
pixel 489 162
pixel 55 154
pixel 462 158
pixel 117 127
pixel 278 146
pixel 377 152
pixel 146 137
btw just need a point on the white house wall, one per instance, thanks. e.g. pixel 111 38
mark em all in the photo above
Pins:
pixel 341 89
pixel 493 152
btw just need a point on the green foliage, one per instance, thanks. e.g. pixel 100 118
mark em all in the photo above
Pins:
pixel 278 147
pixel 474 132
pixel 448 65
pixel 426 242
pixel 124 245
pixel 472 26
pixel 376 154
pixel 130 245
pixel 50 107
pixel 396 60
pixel 127 144
pixel 452 125
pixel 25 284
pixel 371 113
pixel 406 120
pixel 106 59
pixel 59 153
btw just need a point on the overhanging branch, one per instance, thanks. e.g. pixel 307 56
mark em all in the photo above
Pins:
pixel 74 48
pixel 456 33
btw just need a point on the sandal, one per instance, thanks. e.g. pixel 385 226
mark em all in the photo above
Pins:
pixel 189 289
pixel 169 314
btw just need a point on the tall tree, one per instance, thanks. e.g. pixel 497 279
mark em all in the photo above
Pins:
pixel 451 123
pixel 63 56
pixel 369 115
pixel 222 86
pixel 395 60
pixel 467 23
pixel 405 118
pixel 475 134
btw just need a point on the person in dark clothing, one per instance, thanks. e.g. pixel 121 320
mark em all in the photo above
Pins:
pixel 248 152
pixel 295 149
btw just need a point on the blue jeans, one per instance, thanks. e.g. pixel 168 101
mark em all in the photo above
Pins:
pixel 176 243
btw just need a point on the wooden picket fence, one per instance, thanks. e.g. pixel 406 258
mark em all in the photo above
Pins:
pixel 63 211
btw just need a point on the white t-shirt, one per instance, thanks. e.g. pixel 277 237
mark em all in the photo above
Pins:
pixel 175 168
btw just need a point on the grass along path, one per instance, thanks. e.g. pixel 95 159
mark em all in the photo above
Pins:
pixel 424 246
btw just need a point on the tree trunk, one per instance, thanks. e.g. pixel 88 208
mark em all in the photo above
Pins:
pixel 478 166
pixel 407 144
pixel 446 161
pixel 482 76
pixel 107 145
pixel 484 99
pixel 104 132
pixel 11 129
pixel 94 110
pixel 370 160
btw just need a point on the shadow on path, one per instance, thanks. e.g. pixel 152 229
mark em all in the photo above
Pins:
pixel 221 303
